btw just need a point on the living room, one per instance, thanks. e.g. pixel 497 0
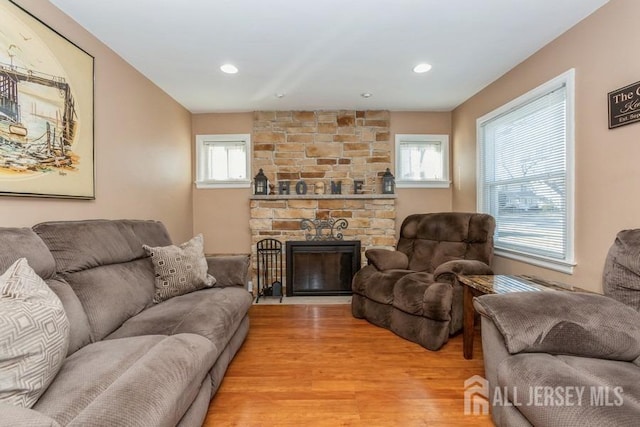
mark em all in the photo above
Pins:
pixel 145 155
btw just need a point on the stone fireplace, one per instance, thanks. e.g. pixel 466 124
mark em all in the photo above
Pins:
pixel 348 147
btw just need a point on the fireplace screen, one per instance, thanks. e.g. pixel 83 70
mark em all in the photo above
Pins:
pixel 321 267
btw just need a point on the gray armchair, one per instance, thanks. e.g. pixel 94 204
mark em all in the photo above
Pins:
pixel 413 290
pixel 583 348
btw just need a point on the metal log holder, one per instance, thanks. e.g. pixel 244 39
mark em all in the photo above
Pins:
pixel 269 253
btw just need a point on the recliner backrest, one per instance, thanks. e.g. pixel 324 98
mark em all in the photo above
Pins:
pixel 432 239
pixel 621 277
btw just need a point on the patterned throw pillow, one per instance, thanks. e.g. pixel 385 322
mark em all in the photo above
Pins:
pixel 179 269
pixel 34 335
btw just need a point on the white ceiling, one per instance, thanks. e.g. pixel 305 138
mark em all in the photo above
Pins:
pixel 322 54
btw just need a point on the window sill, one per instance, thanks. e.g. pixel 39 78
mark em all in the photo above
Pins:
pixel 222 184
pixel 548 263
pixel 423 184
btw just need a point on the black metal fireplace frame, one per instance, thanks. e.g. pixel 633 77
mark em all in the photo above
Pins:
pixel 326 246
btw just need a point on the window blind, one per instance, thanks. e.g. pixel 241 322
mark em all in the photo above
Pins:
pixel 523 176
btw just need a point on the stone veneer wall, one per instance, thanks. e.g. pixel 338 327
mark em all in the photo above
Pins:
pixel 321 146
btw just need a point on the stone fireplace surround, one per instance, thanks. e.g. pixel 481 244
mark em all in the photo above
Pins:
pixel 320 147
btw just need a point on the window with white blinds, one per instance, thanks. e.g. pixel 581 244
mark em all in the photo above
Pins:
pixel 525 175
pixel 223 161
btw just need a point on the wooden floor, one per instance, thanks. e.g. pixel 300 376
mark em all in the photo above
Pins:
pixel 316 365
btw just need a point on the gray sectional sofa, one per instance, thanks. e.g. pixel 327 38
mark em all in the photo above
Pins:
pixel 567 358
pixel 130 362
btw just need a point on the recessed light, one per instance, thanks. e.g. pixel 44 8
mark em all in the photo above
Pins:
pixel 279 95
pixel 366 95
pixel 229 68
pixel 422 68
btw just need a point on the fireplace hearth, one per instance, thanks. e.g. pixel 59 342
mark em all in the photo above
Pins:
pixel 321 267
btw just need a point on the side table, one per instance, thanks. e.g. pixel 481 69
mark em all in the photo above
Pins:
pixel 497 284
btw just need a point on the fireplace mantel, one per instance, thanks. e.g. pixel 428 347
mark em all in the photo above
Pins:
pixel 369 196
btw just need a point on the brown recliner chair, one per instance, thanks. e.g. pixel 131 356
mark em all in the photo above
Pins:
pixel 413 290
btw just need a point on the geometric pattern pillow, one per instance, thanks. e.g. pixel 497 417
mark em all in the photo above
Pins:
pixel 34 335
pixel 179 269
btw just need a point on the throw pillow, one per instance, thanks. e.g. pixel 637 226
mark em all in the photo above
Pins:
pixel 34 335
pixel 179 269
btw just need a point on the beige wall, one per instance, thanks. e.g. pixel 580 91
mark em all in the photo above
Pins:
pixel 602 49
pixel 142 146
pixel 223 215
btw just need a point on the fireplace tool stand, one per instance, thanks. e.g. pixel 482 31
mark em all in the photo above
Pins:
pixel 269 253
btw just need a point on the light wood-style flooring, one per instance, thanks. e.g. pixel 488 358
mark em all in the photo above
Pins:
pixel 316 365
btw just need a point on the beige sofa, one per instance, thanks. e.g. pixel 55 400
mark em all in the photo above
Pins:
pixel 130 362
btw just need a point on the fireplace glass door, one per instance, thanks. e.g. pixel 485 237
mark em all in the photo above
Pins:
pixel 321 267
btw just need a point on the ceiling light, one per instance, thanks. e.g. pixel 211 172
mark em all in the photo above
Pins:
pixel 229 68
pixel 422 68
pixel 279 95
pixel 366 95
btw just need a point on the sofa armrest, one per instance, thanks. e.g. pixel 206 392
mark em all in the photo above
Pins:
pixel 12 415
pixel 385 259
pixel 557 322
pixel 447 271
pixel 229 270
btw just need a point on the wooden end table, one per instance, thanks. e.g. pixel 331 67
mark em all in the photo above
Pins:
pixel 497 284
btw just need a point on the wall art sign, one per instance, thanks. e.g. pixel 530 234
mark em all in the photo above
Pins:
pixel 624 106
pixel 46 110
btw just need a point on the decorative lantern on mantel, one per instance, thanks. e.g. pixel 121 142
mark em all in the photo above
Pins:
pixel 388 183
pixel 260 186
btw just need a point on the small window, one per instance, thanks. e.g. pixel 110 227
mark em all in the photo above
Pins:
pixel 422 161
pixel 223 161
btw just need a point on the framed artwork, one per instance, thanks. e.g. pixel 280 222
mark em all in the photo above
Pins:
pixel 46 110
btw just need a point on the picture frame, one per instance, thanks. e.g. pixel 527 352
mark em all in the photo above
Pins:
pixel 46 110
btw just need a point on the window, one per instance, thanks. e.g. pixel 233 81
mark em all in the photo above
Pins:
pixel 422 161
pixel 525 174
pixel 223 161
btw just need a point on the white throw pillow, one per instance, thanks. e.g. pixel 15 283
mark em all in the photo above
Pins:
pixel 34 335
pixel 179 269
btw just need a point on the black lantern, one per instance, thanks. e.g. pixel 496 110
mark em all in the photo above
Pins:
pixel 388 183
pixel 260 183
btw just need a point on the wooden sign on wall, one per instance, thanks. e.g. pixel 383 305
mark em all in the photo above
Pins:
pixel 624 106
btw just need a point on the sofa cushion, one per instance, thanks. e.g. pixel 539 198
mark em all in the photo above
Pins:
pixel 179 269
pixel 138 381
pixel 105 264
pixel 213 313
pixel 16 243
pixel 34 335
pixel 79 330
pixel 580 324
pixel 595 392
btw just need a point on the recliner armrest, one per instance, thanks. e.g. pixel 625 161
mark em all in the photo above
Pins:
pixel 13 415
pixel 557 322
pixel 229 270
pixel 447 271
pixel 385 259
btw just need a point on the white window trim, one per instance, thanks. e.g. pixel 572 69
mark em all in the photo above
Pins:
pixel 568 79
pixel 445 182
pixel 202 183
